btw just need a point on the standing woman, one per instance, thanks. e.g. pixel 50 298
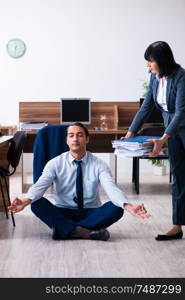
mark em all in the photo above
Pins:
pixel 166 91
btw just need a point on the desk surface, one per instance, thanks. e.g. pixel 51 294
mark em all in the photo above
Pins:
pixel 92 131
pixel 4 139
pixel 109 131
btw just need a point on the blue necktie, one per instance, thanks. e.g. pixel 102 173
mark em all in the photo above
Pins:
pixel 79 186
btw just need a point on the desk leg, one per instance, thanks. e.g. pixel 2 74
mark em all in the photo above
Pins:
pixel 22 174
pixel 137 175
pixel 133 169
pixel 113 165
pixel 116 165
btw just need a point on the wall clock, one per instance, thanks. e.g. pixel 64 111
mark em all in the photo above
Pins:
pixel 16 48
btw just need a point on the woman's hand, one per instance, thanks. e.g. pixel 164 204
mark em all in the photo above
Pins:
pixel 128 135
pixel 158 144
pixel 156 148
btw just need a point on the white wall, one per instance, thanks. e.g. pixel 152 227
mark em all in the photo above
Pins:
pixel 82 48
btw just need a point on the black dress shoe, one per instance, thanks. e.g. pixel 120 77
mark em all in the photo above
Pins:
pixel 165 237
pixel 55 235
pixel 101 234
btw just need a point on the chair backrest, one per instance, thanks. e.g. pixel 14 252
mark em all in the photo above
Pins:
pixel 15 149
pixel 49 143
pixel 153 131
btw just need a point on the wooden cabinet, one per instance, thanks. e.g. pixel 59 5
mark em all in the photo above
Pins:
pixel 119 114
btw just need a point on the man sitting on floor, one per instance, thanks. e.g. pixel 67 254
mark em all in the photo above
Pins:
pixel 76 175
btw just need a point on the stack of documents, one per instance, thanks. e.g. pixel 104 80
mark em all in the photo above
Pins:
pixel 135 146
pixel 32 125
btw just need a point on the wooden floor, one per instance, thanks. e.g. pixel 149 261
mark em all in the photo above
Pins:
pixel 132 251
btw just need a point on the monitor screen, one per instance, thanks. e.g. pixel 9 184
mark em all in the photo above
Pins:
pixel 155 116
pixel 75 110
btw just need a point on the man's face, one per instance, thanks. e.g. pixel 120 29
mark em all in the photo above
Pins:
pixel 76 139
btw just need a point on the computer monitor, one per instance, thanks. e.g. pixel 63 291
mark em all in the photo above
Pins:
pixel 75 110
pixel 155 116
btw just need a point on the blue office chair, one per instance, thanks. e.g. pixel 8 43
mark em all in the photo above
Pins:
pixel 13 157
pixel 50 142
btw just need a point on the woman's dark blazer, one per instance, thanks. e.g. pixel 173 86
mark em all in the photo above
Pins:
pixel 175 96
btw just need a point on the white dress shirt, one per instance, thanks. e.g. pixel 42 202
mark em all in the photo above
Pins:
pixel 61 172
pixel 161 93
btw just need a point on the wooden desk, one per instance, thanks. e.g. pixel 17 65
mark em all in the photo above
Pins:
pixel 119 116
pixel 100 141
pixel 4 145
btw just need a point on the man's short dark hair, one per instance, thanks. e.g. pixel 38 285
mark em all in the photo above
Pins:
pixel 80 125
pixel 161 53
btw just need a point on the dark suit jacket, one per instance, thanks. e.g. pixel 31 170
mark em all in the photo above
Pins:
pixel 175 95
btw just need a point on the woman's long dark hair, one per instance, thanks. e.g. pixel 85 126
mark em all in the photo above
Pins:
pixel 161 53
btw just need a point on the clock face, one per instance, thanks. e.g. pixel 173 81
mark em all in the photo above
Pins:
pixel 16 48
